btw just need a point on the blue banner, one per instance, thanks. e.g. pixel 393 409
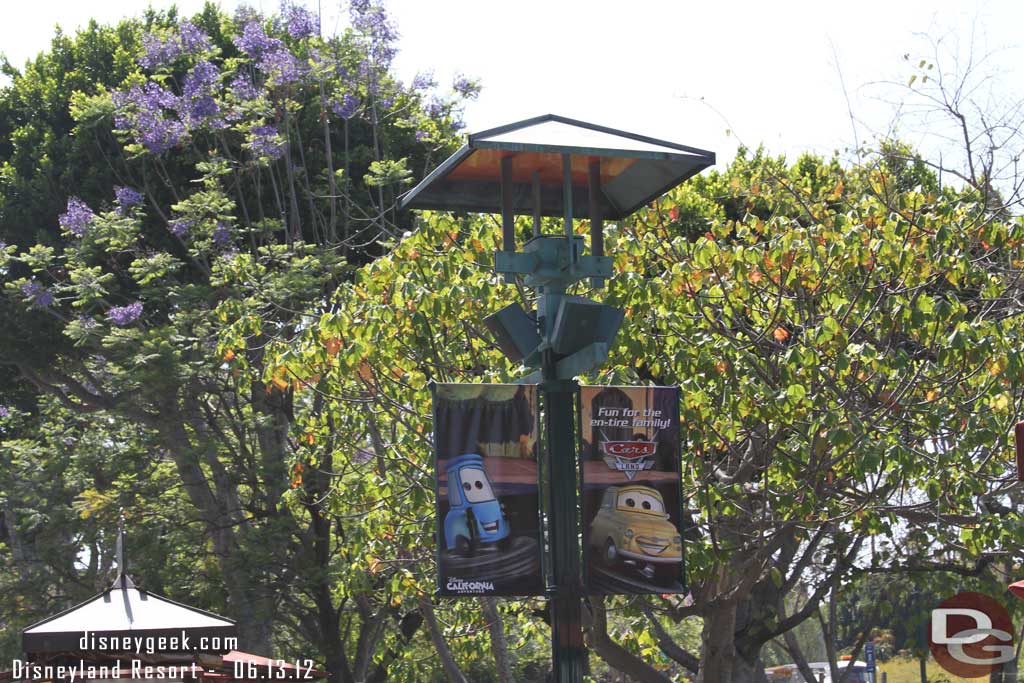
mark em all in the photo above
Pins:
pixel 488 515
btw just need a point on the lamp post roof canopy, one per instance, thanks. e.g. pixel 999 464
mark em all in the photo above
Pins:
pixel 634 169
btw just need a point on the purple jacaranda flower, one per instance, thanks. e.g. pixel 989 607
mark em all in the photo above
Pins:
pixel 222 234
pixel 466 87
pixel 150 96
pixel 158 51
pixel 254 41
pixel 125 315
pixel 370 19
pixel 199 106
pixel 201 80
pixel 37 295
pixel 127 197
pixel 382 53
pixel 5 411
pixel 424 81
pixel 159 134
pixel 77 218
pixel 242 87
pixel 281 66
pixel 435 108
pixel 143 110
pixel 122 116
pixel 365 71
pixel 266 142
pixel 346 107
pixel 180 227
pixel 192 38
pixel 300 22
pixel 203 110
pixel 422 135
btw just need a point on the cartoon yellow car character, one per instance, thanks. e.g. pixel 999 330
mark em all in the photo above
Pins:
pixel 632 526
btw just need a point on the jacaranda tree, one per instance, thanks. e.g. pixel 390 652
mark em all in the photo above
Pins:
pixel 214 175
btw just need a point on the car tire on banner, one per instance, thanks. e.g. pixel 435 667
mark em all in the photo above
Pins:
pixel 666 572
pixel 611 553
pixel 520 558
pixel 605 581
pixel 464 546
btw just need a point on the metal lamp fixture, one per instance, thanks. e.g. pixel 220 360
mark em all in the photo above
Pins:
pixel 548 166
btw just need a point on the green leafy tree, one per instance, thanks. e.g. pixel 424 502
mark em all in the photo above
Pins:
pixel 841 338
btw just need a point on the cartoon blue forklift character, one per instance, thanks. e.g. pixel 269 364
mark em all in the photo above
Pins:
pixel 476 516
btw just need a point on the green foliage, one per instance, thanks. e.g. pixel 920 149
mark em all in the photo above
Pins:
pixel 241 360
pixel 860 347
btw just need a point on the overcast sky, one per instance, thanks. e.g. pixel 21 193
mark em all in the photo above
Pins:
pixel 770 72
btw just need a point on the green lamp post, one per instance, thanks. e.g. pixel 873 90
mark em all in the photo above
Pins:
pixel 549 166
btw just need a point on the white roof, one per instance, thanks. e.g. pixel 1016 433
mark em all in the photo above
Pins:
pixel 128 609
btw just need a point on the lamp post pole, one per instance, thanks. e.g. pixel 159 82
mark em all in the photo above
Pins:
pixel 511 167
pixel 568 652
pixel 551 264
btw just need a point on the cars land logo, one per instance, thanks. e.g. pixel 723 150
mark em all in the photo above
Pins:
pixel 971 635
pixel 629 457
pixel 457 585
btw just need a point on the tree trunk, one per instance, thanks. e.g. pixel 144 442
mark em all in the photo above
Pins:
pixel 451 669
pixel 328 613
pixel 744 671
pixel 616 656
pixel 721 660
pixel 371 629
pixel 250 601
pixel 337 666
pixel 718 651
pixel 254 632
pixel 407 627
pixel 332 643
pixel 499 646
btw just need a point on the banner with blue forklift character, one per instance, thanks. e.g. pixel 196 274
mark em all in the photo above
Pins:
pixel 631 490
pixel 488 514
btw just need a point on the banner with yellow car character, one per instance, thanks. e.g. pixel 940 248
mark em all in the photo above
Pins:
pixel 631 493
pixel 488 514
